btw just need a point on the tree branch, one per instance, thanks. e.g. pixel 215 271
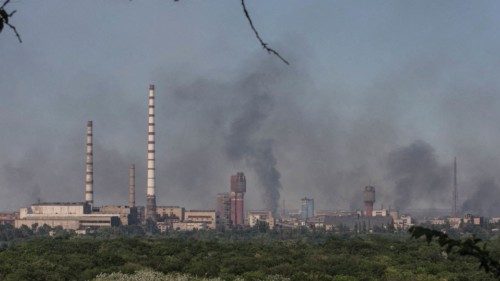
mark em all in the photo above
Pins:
pixel 4 19
pixel 262 43
pixel 469 247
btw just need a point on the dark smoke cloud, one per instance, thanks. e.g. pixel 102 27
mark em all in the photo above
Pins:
pixel 243 143
pixel 324 127
pixel 485 199
pixel 266 119
pixel 420 179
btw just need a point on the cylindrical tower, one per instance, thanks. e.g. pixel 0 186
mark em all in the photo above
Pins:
pixel 89 167
pixel 238 189
pixel 369 199
pixel 150 192
pixel 131 186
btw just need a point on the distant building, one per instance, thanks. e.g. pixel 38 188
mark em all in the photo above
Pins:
pixel 190 225
pixel 7 218
pixel 207 217
pixel 335 213
pixel 478 221
pixel 238 189
pixel 437 221
pixel 380 213
pixel 455 222
pixel 124 212
pixel 141 213
pixel 264 216
pixel 306 208
pixel 170 212
pixel 164 226
pixel 66 215
pixel 351 223
pixel 403 223
pixel 471 219
pixel 495 220
pixel 369 199
pixel 223 209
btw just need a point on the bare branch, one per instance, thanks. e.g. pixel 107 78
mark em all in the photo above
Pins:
pixel 262 43
pixel 15 31
pixel 4 19
pixel 5 3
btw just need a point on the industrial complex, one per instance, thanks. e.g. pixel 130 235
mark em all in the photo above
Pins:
pixel 229 211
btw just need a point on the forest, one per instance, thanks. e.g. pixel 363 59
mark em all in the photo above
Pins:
pixel 256 254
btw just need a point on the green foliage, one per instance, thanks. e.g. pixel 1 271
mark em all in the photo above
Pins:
pixel 473 247
pixel 232 256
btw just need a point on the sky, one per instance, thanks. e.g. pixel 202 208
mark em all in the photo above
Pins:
pixel 381 93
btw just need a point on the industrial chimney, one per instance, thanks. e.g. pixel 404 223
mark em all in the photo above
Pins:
pixel 369 199
pixel 89 167
pixel 150 192
pixel 131 186
pixel 454 211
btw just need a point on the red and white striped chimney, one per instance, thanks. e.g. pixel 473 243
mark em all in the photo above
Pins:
pixel 89 167
pixel 150 192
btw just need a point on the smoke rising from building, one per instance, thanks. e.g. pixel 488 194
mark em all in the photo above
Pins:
pixel 419 177
pixel 328 123
pixel 243 143
pixel 485 200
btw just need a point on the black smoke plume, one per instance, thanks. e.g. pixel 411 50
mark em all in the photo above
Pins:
pixel 243 143
pixel 421 181
pixel 485 200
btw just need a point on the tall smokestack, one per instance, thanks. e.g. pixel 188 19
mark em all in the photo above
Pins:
pixel 89 167
pixel 455 189
pixel 131 186
pixel 150 192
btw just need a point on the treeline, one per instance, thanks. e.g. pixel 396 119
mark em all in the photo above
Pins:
pixel 309 256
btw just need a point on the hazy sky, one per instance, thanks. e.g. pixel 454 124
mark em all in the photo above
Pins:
pixel 378 92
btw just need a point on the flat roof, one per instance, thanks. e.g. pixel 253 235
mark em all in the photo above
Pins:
pixel 59 204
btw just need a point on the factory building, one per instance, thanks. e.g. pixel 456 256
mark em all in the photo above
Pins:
pixel 333 213
pixel 352 223
pixel 369 199
pixel 81 215
pixel 66 215
pixel 207 217
pixel 261 216
pixel 189 226
pixel 223 209
pixel 238 189
pixel 126 214
pixel 306 208
pixel 170 213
